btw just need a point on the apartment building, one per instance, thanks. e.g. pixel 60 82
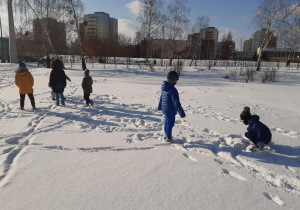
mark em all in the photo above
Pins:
pixel 57 34
pixel 100 25
pixel 205 42
pixel 260 36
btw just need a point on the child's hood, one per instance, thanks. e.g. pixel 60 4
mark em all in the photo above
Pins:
pixel 254 118
pixel 21 70
pixel 167 86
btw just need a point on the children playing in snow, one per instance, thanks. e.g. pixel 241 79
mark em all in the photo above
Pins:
pixel 170 104
pixel 58 80
pixel 258 133
pixel 86 84
pixel 25 82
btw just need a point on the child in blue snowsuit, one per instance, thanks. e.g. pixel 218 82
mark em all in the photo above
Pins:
pixel 170 104
pixel 258 132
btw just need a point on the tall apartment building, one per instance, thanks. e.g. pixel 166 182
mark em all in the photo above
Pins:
pixel 101 25
pixel 258 39
pixel 209 39
pixel 209 33
pixel 57 34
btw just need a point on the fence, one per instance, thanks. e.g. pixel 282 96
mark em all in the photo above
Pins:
pixel 74 61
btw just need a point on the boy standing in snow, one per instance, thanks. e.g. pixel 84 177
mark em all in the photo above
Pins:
pixel 58 80
pixel 258 132
pixel 53 95
pixel 87 83
pixel 170 104
pixel 25 81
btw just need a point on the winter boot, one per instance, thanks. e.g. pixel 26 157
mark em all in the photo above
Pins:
pixel 260 145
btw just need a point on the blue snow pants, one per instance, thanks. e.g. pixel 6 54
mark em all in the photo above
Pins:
pixel 169 124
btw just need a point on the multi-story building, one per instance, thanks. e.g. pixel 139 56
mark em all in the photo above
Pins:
pixel 225 50
pixel 209 33
pixel 259 37
pixel 100 25
pixel 205 42
pixel 57 34
pixel 248 44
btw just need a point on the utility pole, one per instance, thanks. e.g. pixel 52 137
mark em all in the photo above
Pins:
pixel 162 48
pixel 12 35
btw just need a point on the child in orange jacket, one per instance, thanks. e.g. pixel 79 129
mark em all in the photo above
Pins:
pixel 25 82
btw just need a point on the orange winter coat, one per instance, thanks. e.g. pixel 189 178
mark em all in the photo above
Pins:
pixel 24 81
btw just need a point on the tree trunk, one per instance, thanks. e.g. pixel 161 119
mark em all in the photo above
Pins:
pixel 79 35
pixel 258 62
pixel 83 63
pixel 12 36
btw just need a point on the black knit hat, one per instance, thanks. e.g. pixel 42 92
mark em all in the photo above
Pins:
pixel 57 64
pixel 22 65
pixel 173 76
pixel 246 115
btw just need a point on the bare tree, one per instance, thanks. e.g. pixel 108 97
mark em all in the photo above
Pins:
pixel 125 47
pixel 177 23
pixel 42 12
pixel 75 9
pixel 241 39
pixel 227 48
pixel 150 20
pixel 271 16
pixel 12 34
pixel 290 33
pixel 201 23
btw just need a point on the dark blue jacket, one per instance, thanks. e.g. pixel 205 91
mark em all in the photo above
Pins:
pixel 169 100
pixel 58 80
pixel 258 131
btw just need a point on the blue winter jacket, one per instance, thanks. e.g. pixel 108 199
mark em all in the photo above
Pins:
pixel 258 131
pixel 169 100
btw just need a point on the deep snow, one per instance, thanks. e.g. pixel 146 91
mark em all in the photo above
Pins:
pixel 112 156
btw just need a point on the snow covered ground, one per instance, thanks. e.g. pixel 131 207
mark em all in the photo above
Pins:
pixel 112 156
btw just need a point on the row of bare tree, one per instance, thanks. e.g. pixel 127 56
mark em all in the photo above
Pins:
pixel 278 17
pixel 66 11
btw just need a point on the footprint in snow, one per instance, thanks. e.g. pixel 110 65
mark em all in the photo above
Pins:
pixel 227 173
pixel 190 157
pixel 275 199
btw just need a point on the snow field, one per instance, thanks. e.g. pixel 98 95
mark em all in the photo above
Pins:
pixel 112 156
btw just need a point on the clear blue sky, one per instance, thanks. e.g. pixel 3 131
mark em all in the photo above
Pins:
pixel 234 15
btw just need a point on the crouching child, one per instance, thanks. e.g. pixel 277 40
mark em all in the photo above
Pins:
pixel 258 132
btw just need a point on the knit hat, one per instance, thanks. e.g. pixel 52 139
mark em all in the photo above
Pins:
pixel 57 59
pixel 57 64
pixel 245 115
pixel 21 65
pixel 86 72
pixel 173 76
